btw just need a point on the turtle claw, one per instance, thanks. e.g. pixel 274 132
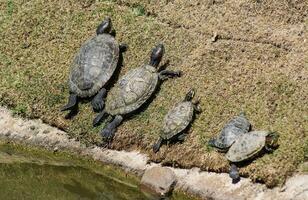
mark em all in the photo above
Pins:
pixel 97 106
pixel 98 101
pixel 107 133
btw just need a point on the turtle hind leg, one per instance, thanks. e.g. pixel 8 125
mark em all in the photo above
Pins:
pixel 109 131
pixel 72 103
pixel 98 101
pixel 157 145
pixel 234 174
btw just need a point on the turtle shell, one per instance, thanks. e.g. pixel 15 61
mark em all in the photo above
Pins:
pixel 132 90
pixel 93 65
pixel 177 119
pixel 232 130
pixel 247 146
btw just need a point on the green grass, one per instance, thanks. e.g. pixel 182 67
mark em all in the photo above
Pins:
pixel 10 7
pixel 229 76
pixel 138 10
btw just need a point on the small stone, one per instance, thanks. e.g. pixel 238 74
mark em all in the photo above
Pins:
pixel 160 180
pixel 297 187
pixel 215 37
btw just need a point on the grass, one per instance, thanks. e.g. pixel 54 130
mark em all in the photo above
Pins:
pixel 10 8
pixel 139 10
pixel 230 75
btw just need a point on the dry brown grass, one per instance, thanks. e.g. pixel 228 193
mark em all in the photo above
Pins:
pixel 258 64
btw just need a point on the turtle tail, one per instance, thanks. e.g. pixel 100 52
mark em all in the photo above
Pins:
pixel 157 145
pixel 86 85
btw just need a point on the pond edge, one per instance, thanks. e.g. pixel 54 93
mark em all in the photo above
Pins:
pixel 206 185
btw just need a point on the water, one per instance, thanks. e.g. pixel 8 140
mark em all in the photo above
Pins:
pixel 37 174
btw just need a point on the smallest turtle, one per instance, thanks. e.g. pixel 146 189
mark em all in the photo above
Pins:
pixel 248 146
pixel 177 120
pixel 230 132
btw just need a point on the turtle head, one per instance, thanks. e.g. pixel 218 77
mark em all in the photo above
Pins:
pixel 190 95
pixel 105 26
pixel 157 55
pixel 272 140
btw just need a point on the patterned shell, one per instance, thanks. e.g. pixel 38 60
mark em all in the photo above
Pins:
pixel 247 146
pixel 177 119
pixel 93 65
pixel 132 90
pixel 232 130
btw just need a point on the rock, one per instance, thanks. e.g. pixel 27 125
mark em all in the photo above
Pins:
pixel 215 37
pixel 296 188
pixel 160 180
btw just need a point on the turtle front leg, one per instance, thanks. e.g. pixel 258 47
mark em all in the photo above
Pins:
pixel 98 101
pixel 72 103
pixel 165 74
pixel 234 174
pixel 109 131
pixel 196 105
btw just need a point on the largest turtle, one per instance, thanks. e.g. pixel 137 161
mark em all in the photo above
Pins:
pixel 93 66
pixel 133 90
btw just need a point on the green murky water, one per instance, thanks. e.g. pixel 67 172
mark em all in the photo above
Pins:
pixel 37 174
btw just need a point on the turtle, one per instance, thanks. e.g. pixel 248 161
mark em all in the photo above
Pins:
pixel 132 91
pixel 249 145
pixel 177 120
pixel 93 66
pixel 233 129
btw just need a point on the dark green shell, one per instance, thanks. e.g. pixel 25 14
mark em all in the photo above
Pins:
pixel 94 65
pixel 177 119
pixel 132 90
pixel 231 131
